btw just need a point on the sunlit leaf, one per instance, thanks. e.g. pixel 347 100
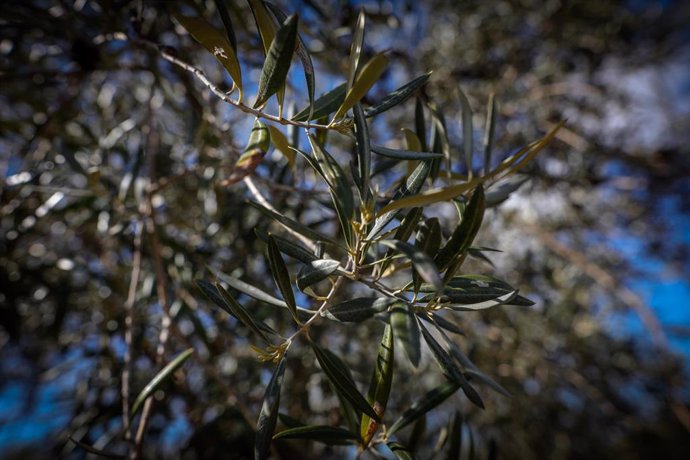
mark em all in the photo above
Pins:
pixel 159 378
pixel 423 264
pixel 281 276
pixel 269 413
pixel 380 385
pixel 464 234
pixel 406 331
pixel 281 143
pixel 216 44
pixel 423 405
pixel 342 382
pixel 358 310
pixel 504 299
pixel 302 53
pixel 324 105
pixel 321 433
pixel 227 22
pixel 398 96
pixel 278 60
pixel 370 74
pixel 257 146
pixel 267 32
pixel 356 49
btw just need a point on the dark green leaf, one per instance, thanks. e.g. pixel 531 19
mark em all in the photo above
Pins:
pixel 401 452
pixel 406 330
pixel 398 96
pixel 281 276
pixel 342 382
pixel 380 385
pixel 294 250
pixel 471 374
pixel 423 405
pixel 363 151
pixel 420 122
pixel 227 22
pixel 412 186
pixel 417 434
pixel 441 322
pixel 324 105
pixel 502 190
pixel 424 264
pixel 450 368
pixel 402 233
pixel 289 421
pixel 315 271
pixel 358 310
pixel 467 131
pixel 464 234
pixel 159 378
pixel 471 289
pixel 269 413
pixel 277 62
pixel 489 129
pixel 404 154
pixel 321 433
pixel 302 52
pixel 455 436
pixel 241 314
pixel 294 225
pixel 356 49
pixel 428 239
pixel 339 187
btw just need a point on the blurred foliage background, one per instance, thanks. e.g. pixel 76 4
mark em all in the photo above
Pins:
pixel 106 148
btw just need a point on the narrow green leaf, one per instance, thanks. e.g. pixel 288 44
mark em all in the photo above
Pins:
pixel 159 378
pixel 467 131
pixel 233 308
pixel 423 405
pixel 489 130
pixel 316 271
pixel 216 44
pixel 380 385
pixel 406 330
pixel 401 452
pixel 248 289
pixel 358 310
pixel 263 22
pixel 504 299
pixel 502 190
pixel 370 74
pixel 428 239
pixel 342 382
pixel 412 185
pixel 455 436
pixel 321 433
pixel 443 323
pixel 363 144
pixel 472 289
pixel 287 247
pixel 302 52
pixel 257 146
pixel 402 233
pixel 464 234
pixel 281 143
pixel 420 122
pixel 289 421
pixel 241 314
pixel 423 264
pixel 294 225
pixel 227 22
pixel 266 424
pixel 404 154
pixel 440 143
pixel 324 105
pixel 398 96
pixel 417 435
pixel 277 62
pixel 471 374
pixel 339 188
pixel 450 367
pixel 356 49
pixel 281 276
pixel 429 197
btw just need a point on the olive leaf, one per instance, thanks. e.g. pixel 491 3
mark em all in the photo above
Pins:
pixel 423 405
pixel 159 378
pixel 406 331
pixel 398 96
pixel 281 276
pixel 370 74
pixel 268 416
pixel 380 386
pixel 277 62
